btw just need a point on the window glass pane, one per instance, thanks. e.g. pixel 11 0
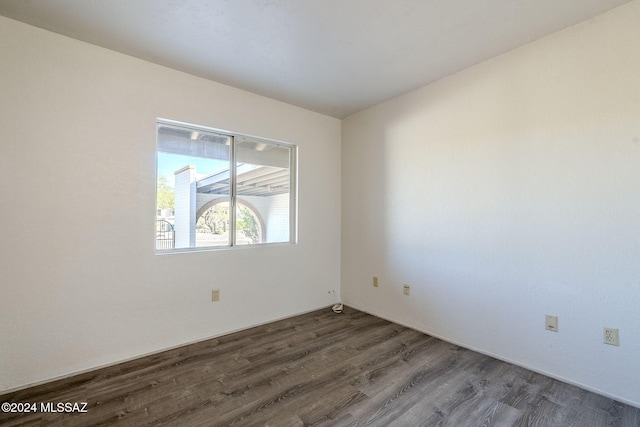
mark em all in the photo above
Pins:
pixel 218 189
pixel 263 191
pixel 192 188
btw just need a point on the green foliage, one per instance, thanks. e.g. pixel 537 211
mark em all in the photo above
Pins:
pixel 247 224
pixel 214 220
pixel 165 196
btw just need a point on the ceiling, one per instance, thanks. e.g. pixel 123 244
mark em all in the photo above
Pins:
pixel 335 57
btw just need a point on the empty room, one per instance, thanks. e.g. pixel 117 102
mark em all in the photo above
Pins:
pixel 327 213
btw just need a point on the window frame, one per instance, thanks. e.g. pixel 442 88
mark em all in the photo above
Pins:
pixel 235 139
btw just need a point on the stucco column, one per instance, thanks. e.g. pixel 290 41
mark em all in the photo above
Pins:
pixel 185 207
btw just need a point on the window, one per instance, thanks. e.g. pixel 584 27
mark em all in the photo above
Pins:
pixel 219 189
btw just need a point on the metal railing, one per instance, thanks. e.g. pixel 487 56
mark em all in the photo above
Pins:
pixel 165 235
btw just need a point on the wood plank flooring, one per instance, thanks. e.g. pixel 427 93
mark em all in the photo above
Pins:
pixel 320 369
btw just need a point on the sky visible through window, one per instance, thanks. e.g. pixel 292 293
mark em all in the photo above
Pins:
pixel 169 163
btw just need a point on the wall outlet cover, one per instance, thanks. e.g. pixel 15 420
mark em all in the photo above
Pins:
pixel 551 323
pixel 610 336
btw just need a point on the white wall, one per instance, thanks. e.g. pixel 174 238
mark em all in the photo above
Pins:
pixel 506 192
pixel 81 286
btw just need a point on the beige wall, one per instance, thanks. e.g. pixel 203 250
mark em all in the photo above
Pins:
pixel 506 192
pixel 81 286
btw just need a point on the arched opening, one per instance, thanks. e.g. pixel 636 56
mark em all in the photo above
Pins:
pixel 212 224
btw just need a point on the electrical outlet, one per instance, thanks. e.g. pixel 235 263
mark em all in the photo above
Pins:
pixel 407 289
pixel 215 295
pixel 610 336
pixel 375 281
pixel 551 323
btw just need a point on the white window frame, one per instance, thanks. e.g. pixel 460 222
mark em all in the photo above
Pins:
pixel 233 198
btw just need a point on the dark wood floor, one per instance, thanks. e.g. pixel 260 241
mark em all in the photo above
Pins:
pixel 320 369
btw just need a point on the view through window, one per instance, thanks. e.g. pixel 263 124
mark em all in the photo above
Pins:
pixel 216 189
